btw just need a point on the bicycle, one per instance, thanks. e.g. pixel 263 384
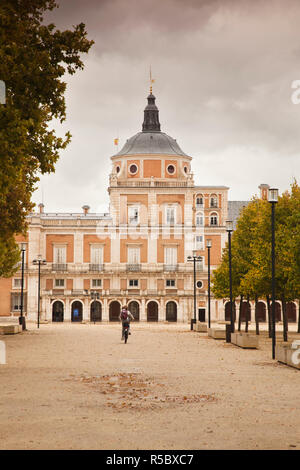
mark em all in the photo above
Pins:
pixel 125 331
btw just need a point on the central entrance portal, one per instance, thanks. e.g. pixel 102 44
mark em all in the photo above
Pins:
pixel 76 311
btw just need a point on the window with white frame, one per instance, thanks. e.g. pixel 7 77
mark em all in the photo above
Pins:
pixel 170 215
pixel 171 255
pixel 96 254
pixel 133 283
pixel 213 201
pixel 199 219
pixel 17 283
pixel 199 242
pixel 59 283
pixel 199 201
pixel 96 283
pixel 133 215
pixel 214 219
pixel 170 283
pixel 60 254
pixel 16 302
pixel 133 254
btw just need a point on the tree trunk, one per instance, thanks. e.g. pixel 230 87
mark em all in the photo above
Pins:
pixel 269 316
pixel 247 316
pixel 240 312
pixel 284 318
pixel 256 317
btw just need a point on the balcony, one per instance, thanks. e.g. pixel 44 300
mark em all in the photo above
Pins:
pixel 133 267
pixel 170 267
pixel 19 265
pixel 96 268
pixel 79 292
pixel 59 267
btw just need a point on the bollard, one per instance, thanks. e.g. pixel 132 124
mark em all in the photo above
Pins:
pixel 2 353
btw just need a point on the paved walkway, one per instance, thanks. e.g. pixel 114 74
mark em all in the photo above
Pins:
pixel 77 386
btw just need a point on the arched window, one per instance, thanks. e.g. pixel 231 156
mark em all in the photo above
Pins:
pixel 213 200
pixel 213 218
pixel 199 201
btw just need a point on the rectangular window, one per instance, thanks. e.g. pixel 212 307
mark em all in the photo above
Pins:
pixel 170 215
pixel 199 242
pixel 170 255
pixel 96 282
pixel 133 255
pixel 199 220
pixel 59 283
pixel 170 282
pixel 16 302
pixel 60 254
pixel 133 282
pixel 18 283
pixel 96 254
pixel 133 215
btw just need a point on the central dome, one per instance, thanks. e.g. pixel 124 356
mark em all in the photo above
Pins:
pixel 151 143
pixel 151 140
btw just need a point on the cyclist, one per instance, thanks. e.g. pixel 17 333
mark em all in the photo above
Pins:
pixel 125 317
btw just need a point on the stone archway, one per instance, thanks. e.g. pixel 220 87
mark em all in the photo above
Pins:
pixel 277 311
pixel 76 312
pixel 246 311
pixel 96 311
pixel 291 312
pixel 58 311
pixel 261 311
pixel 171 311
pixel 134 309
pixel 152 311
pixel 227 311
pixel 114 310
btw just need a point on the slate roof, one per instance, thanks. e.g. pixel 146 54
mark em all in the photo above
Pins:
pixel 234 210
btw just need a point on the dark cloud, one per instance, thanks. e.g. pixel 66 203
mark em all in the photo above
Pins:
pixel 223 73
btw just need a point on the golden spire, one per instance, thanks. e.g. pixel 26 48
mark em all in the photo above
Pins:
pixel 151 81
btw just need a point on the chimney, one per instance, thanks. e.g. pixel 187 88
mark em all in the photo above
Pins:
pixel 264 191
pixel 86 209
pixel 41 207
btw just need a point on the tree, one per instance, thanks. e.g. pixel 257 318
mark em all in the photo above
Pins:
pixel 33 59
pixel 251 254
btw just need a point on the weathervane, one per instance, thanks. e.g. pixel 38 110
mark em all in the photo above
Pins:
pixel 151 81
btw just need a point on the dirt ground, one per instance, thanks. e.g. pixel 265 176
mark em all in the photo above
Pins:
pixel 77 386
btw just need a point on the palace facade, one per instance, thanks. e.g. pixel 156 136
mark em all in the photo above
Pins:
pixel 138 253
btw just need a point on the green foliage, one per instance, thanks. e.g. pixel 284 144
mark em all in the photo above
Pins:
pixel 251 250
pixel 33 59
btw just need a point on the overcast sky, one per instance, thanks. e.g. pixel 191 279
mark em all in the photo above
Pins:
pixel 223 74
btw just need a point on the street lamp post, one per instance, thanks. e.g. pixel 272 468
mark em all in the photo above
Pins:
pixel 273 199
pixel 194 259
pixel 229 228
pixel 208 246
pixel 21 317
pixel 38 262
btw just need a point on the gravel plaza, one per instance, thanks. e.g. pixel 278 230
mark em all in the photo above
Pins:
pixel 77 386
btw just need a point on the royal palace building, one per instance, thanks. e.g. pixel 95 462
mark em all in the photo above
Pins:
pixel 137 253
